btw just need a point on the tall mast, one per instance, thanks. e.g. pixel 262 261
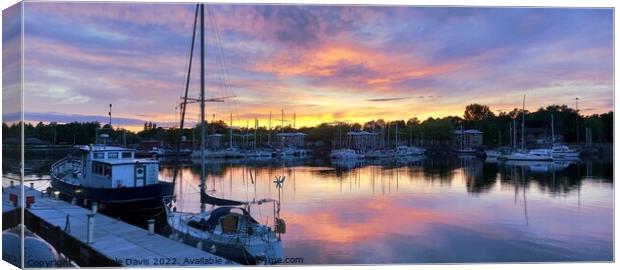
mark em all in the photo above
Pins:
pixel 514 130
pixel 202 104
pixel 396 135
pixel 411 135
pixel 523 126
pixel 110 114
pixel 282 122
pixel 231 133
pixel 269 133
pixel 255 131
pixel 552 130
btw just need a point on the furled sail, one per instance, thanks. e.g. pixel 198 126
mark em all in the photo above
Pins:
pixel 205 198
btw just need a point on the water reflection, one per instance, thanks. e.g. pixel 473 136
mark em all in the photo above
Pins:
pixel 428 210
pixel 423 210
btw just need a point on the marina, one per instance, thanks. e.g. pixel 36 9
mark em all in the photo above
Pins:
pixel 297 134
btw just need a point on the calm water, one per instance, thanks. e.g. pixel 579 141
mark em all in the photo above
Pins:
pixel 425 211
pixel 432 210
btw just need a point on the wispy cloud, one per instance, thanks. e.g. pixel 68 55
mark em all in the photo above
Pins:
pixel 386 99
pixel 323 63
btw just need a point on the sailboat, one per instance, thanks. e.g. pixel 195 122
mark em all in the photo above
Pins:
pixel 344 153
pixel 558 150
pixel 523 154
pixel 228 228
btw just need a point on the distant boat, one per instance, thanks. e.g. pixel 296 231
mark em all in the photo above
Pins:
pixel 558 150
pixel 497 152
pixel 291 151
pixel 523 154
pixel 563 151
pixel 402 150
pixel 492 153
pixel 529 155
pixel 378 154
pixel 110 176
pixel 345 154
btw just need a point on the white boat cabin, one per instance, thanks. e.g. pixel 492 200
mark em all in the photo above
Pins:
pixel 114 167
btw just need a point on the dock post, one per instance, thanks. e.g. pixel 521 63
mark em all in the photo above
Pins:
pixel 67 224
pixel 90 230
pixel 199 244
pixel 74 200
pixel 56 195
pixel 31 185
pixel 12 184
pixel 151 225
pixel 93 207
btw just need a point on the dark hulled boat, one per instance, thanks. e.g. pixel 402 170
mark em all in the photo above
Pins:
pixel 120 183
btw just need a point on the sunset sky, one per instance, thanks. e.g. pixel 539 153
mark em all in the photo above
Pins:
pixel 323 63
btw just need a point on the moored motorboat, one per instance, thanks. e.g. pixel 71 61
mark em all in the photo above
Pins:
pixel 111 176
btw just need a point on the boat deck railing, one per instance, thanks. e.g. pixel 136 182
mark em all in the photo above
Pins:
pixel 62 167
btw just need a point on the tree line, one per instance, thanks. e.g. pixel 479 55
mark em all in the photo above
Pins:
pixel 569 123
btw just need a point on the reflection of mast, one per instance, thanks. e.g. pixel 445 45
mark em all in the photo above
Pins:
pixel 524 198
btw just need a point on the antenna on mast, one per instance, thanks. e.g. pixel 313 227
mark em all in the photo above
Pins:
pixel 110 115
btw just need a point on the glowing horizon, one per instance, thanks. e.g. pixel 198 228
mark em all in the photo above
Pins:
pixel 321 63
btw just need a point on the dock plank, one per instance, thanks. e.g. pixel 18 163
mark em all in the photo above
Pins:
pixel 125 243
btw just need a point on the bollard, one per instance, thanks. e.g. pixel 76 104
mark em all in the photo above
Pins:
pixel 93 207
pixel 31 185
pixel 56 195
pixel 90 230
pixel 199 245
pixel 74 200
pixel 68 224
pixel 151 225
pixel 12 184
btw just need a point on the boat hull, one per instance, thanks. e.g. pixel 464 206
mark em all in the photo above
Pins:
pixel 526 158
pixel 117 200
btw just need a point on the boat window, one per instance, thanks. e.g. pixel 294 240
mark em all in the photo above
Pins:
pixel 113 155
pixel 126 154
pixel 102 169
pixel 99 155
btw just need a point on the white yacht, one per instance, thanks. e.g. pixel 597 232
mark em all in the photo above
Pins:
pixel 563 151
pixel 345 154
pixel 533 155
pixel 402 150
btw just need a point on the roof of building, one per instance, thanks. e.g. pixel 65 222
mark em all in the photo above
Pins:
pixel 285 134
pixel 469 131
pixel 100 148
pixel 121 161
pixel 360 133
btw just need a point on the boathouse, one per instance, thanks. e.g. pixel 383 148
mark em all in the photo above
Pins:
pixel 291 139
pixel 467 139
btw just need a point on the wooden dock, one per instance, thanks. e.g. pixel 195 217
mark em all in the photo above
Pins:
pixel 115 243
